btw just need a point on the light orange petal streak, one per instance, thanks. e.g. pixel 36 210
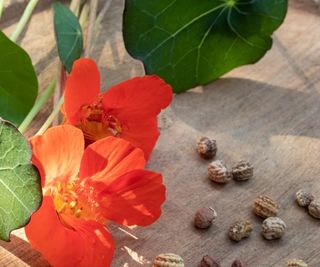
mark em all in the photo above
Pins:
pixel 57 153
pixel 109 158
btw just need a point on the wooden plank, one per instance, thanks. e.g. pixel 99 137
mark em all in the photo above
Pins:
pixel 267 113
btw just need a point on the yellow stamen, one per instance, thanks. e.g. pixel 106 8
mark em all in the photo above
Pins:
pixel 96 123
pixel 73 204
pixel 75 198
pixel 78 213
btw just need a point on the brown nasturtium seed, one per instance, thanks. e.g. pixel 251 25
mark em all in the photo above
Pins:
pixel 207 148
pixel 218 172
pixel 239 230
pixel 304 198
pixel 238 263
pixel 242 171
pixel 204 217
pixel 314 209
pixel 207 261
pixel 168 260
pixel 265 207
pixel 296 263
pixel 273 228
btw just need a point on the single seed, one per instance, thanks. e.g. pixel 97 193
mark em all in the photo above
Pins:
pixel 238 263
pixel 314 209
pixel 304 198
pixel 168 260
pixel 218 172
pixel 204 217
pixel 296 263
pixel 239 230
pixel 207 261
pixel 242 171
pixel 273 228
pixel 207 148
pixel 265 207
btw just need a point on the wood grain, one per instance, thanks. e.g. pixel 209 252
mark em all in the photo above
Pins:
pixel 267 113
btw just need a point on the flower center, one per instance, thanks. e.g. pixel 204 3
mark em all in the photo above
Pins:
pixel 96 123
pixel 75 198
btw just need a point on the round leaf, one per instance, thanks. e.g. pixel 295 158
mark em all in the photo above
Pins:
pixel 68 35
pixel 18 81
pixel 20 186
pixel 191 42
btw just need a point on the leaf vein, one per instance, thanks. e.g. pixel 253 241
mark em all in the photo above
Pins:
pixel 184 27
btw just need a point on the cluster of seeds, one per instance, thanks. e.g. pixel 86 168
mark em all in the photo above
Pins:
pixel 266 208
pixel 219 172
pixel 306 199
pixel 263 206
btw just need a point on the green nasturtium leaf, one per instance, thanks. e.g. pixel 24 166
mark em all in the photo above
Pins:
pixel 68 35
pixel 18 81
pixel 192 42
pixel 20 186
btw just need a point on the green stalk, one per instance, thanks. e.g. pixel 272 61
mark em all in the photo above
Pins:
pixel 24 19
pixel 51 117
pixel 47 93
pixel 1 7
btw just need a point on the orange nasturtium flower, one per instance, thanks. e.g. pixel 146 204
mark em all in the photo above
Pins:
pixel 128 110
pixel 83 190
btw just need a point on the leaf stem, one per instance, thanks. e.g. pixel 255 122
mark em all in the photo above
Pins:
pixel 92 19
pixel 75 6
pixel 47 93
pixel 84 15
pixel 51 117
pixel 24 19
pixel 1 7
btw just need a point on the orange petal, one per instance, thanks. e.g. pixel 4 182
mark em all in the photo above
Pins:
pixel 136 104
pixel 138 98
pixel 82 88
pixel 135 198
pixel 109 158
pixel 97 242
pixel 85 243
pixel 55 241
pixel 57 153
pixel 142 134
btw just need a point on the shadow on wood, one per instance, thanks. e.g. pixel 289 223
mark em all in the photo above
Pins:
pixel 251 112
pixel 22 250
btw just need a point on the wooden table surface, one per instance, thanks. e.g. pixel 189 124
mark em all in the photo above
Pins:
pixel 268 113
